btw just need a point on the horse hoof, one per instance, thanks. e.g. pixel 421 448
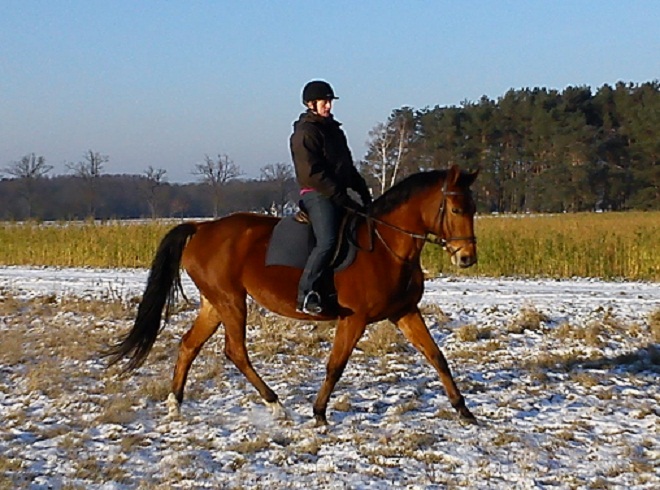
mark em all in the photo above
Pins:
pixel 278 410
pixel 466 417
pixel 173 406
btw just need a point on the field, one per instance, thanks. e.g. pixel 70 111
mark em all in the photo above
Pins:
pixel 554 339
pixel 562 374
pixel 607 245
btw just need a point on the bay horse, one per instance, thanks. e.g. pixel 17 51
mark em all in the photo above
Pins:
pixel 225 259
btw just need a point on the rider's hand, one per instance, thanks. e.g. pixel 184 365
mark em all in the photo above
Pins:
pixel 366 199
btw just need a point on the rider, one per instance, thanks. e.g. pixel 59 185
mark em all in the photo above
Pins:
pixel 325 171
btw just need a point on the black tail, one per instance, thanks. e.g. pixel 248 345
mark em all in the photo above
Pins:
pixel 164 280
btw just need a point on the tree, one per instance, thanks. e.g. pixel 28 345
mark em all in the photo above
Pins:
pixel 89 170
pixel 388 147
pixel 155 178
pixel 216 173
pixel 281 177
pixel 91 167
pixel 29 171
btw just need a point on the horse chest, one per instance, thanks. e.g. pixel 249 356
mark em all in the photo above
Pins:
pixel 404 289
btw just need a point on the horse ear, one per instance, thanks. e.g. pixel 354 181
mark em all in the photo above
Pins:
pixel 471 177
pixel 453 174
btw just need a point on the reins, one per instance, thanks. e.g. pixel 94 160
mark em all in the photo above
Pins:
pixel 427 237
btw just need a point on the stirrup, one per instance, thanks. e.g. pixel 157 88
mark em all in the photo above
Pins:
pixel 312 304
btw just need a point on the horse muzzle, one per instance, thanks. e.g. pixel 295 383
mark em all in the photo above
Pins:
pixel 463 260
pixel 465 256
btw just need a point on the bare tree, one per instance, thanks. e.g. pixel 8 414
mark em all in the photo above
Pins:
pixel 29 167
pixel 381 142
pixel 387 148
pixel 91 167
pixel 89 170
pixel 155 178
pixel 281 175
pixel 216 173
pixel 29 171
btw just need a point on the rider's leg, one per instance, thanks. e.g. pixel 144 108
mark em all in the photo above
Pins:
pixel 325 219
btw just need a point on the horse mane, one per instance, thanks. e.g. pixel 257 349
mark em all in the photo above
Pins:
pixel 404 190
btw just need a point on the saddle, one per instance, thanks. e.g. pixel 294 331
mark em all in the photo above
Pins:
pixel 293 240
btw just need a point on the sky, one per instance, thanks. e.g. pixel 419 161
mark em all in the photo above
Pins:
pixel 164 83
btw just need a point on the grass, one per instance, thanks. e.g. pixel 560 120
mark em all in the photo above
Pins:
pixel 529 318
pixel 654 325
pixel 607 245
pixel 81 244
pixel 382 338
pixel 471 333
pixel 251 445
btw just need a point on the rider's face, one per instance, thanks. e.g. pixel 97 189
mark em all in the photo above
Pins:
pixel 322 107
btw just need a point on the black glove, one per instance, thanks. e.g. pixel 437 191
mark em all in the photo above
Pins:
pixel 366 198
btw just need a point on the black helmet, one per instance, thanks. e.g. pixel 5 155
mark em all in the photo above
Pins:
pixel 317 90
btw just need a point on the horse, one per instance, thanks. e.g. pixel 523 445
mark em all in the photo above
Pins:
pixel 225 259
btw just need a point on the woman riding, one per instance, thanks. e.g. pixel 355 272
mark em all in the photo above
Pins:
pixel 325 171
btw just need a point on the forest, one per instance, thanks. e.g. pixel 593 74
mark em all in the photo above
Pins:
pixel 538 150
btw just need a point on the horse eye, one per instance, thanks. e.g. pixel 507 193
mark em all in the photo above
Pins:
pixel 456 210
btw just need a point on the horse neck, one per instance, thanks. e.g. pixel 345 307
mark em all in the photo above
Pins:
pixel 399 231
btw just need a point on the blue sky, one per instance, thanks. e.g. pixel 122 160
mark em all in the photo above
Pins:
pixel 163 83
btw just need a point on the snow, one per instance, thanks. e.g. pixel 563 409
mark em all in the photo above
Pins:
pixel 556 410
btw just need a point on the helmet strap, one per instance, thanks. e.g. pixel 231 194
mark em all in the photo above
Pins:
pixel 313 105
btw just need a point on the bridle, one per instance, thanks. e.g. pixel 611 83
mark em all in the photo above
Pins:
pixel 427 237
pixel 440 216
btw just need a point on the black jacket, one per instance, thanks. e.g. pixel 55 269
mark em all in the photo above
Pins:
pixel 323 160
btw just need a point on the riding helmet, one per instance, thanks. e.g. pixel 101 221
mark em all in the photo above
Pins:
pixel 317 90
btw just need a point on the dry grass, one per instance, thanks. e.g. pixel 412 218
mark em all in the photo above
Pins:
pixel 411 444
pixel 606 245
pixel 472 333
pixel 93 244
pixel 435 312
pixel 118 410
pixel 596 331
pixel 251 445
pixel 529 318
pixel 381 339
pixel 654 326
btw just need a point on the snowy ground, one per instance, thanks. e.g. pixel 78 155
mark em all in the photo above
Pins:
pixel 563 376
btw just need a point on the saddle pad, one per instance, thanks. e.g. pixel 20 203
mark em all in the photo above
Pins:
pixel 292 242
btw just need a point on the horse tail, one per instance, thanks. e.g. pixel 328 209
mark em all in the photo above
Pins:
pixel 163 283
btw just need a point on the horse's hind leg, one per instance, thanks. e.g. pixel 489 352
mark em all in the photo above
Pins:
pixel 205 325
pixel 413 327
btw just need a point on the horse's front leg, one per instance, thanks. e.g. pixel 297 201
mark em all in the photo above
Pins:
pixel 349 331
pixel 233 317
pixel 413 327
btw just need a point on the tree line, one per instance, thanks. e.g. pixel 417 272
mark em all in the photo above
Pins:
pixel 539 150
pixel 89 192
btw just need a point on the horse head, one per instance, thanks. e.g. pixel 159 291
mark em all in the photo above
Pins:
pixel 454 221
